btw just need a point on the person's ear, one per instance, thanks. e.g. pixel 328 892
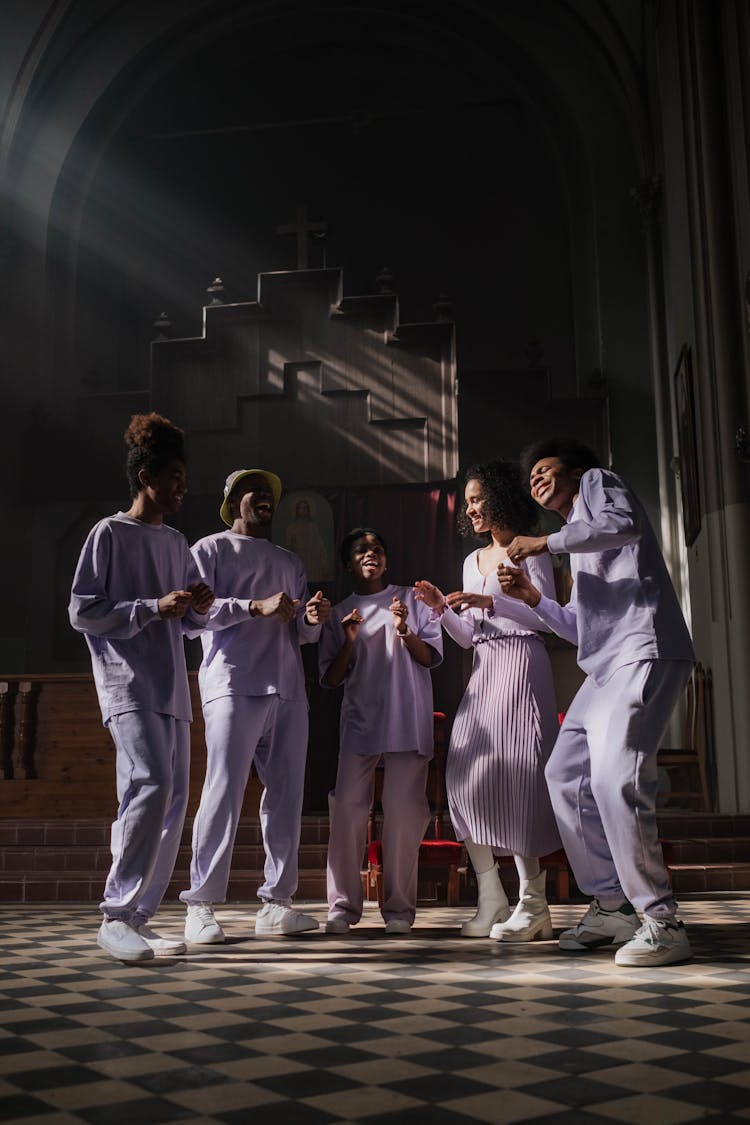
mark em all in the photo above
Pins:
pixel 143 478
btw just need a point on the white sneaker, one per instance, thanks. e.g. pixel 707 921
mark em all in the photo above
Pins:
pixel 201 927
pixel 600 927
pixel 162 946
pixel 122 942
pixel 274 919
pixel 659 941
pixel 337 926
pixel 397 926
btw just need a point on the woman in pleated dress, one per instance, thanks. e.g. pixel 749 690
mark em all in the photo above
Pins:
pixel 506 723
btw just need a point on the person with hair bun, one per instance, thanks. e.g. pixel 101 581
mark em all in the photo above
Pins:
pixel 134 585
pixel 506 723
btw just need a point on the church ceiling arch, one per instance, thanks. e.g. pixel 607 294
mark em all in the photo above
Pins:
pixel 519 65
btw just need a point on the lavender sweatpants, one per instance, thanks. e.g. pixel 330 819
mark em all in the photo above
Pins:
pixel 602 777
pixel 241 729
pixel 153 773
pixel 406 814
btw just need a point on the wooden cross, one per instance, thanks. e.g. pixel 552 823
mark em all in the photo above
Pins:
pixel 302 228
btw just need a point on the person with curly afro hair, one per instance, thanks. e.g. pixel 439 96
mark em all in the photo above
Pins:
pixel 133 587
pixel 506 723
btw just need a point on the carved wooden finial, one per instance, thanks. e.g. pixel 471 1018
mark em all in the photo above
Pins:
pixel 216 291
pixel 385 281
pixel 534 353
pixel 597 383
pixel 163 326
pixel 443 307
pixel 646 198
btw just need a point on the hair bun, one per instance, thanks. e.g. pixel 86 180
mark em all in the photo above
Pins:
pixel 153 431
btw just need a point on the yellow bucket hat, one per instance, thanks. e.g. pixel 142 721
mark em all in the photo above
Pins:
pixel 237 476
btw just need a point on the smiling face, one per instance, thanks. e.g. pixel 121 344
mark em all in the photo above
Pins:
pixel 476 507
pixel 251 502
pixel 166 489
pixel 367 561
pixel 553 485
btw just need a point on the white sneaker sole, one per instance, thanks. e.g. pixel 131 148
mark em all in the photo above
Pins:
pixel 129 956
pixel 166 949
pixel 215 939
pixel 277 931
pixel 633 959
pixel 340 928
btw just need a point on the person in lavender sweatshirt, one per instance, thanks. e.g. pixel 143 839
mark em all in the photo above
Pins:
pixel 380 644
pixel 133 586
pixel 634 646
pixel 252 686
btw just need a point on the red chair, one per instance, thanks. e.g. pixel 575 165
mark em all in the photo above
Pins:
pixel 437 851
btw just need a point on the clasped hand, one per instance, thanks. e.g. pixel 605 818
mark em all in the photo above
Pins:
pixel 198 596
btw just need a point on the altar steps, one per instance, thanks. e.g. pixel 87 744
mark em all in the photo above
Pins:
pixel 67 860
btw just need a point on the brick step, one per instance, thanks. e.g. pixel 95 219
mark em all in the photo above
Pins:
pixel 66 861
pixel 86 886
pixel 84 858
pixel 94 832
pixel 681 825
pixel 693 877
pixel 56 886
pixel 732 849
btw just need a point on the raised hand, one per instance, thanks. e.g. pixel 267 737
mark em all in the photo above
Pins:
pixel 464 599
pixel 524 545
pixel 317 609
pixel 516 584
pixel 428 593
pixel 351 624
pixel 278 605
pixel 400 613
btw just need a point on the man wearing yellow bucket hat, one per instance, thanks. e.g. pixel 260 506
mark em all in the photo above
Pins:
pixel 254 704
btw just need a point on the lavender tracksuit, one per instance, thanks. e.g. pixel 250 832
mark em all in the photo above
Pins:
pixel 386 714
pixel 635 648
pixel 254 703
pixel 138 661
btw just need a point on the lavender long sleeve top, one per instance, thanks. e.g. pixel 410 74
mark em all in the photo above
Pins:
pixel 138 657
pixel 623 607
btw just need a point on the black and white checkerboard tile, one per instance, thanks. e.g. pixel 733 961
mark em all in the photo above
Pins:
pixel 424 1029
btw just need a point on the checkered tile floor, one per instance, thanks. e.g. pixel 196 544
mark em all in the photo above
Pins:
pixel 424 1029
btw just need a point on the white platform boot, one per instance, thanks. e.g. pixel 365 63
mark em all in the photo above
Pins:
pixel 531 918
pixel 492 905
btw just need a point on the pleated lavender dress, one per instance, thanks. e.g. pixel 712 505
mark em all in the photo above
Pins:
pixel 506 723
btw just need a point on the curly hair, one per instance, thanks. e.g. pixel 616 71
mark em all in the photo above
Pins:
pixel 573 454
pixel 153 441
pixel 508 504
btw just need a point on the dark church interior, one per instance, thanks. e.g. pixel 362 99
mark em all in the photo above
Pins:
pixel 366 246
